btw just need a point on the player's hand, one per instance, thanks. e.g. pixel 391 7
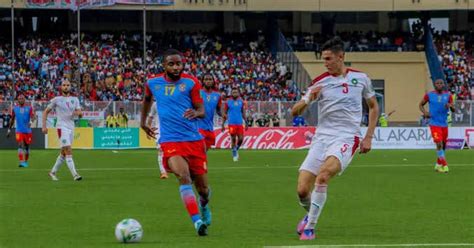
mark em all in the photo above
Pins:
pixel 190 114
pixel 315 93
pixel 45 130
pixel 78 113
pixel 9 132
pixel 366 145
pixel 150 132
pixel 223 128
pixel 427 115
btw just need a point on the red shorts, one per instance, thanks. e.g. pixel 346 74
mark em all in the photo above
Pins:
pixel 439 134
pixel 209 137
pixel 236 130
pixel 193 151
pixel 25 137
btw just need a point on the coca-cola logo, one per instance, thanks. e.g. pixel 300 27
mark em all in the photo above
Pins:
pixel 270 138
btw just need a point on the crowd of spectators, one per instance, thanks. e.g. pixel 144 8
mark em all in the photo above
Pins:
pixel 455 55
pixel 110 67
pixel 356 41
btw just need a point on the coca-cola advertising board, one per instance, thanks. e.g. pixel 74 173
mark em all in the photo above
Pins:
pixel 270 138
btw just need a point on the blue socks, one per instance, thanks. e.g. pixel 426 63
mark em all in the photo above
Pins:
pixel 189 200
pixel 440 153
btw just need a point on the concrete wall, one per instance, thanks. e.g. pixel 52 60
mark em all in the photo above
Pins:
pixel 406 77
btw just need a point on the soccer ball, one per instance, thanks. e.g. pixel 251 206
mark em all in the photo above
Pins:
pixel 129 231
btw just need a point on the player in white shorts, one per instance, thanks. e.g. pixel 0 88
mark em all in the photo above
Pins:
pixel 153 116
pixel 339 93
pixel 66 107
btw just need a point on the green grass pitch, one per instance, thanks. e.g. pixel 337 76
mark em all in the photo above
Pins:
pixel 385 197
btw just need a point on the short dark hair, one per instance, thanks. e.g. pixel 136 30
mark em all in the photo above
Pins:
pixel 334 44
pixel 171 52
pixel 236 88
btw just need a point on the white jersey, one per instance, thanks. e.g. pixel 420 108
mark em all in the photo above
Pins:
pixel 154 114
pixel 340 103
pixel 64 107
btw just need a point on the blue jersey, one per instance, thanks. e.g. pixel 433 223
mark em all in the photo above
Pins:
pixel 234 111
pixel 212 101
pixel 172 100
pixel 438 110
pixel 22 118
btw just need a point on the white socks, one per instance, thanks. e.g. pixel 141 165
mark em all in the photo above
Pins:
pixel 160 162
pixel 70 165
pixel 59 162
pixel 318 198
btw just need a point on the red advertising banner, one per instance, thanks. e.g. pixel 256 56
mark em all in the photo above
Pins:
pixel 270 138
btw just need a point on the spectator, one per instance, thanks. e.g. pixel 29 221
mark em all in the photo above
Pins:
pixel 6 118
pixel 275 120
pixel 111 120
pixel 249 120
pixel 122 119
pixel 263 121
pixel 298 121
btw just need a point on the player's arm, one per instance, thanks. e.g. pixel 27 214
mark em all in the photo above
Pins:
pixel 422 106
pixel 147 102
pixel 10 125
pixel 450 104
pixel 366 144
pixel 45 117
pixel 78 110
pixel 244 115
pixel 224 116
pixel 310 96
pixel 219 107
pixel 198 110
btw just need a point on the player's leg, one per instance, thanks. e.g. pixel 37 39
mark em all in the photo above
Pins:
pixel 308 171
pixel 234 147
pixel 28 140
pixel 59 161
pixel 179 166
pixel 444 162
pixel 163 173
pixel 329 169
pixel 204 191
pixel 437 139
pixel 70 163
pixel 21 152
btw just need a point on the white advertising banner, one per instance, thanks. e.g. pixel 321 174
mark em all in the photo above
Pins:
pixel 413 137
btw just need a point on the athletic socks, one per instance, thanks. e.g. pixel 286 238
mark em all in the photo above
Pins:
pixel 189 200
pixel 21 153
pixel 441 157
pixel 318 198
pixel 160 163
pixel 70 165
pixel 59 162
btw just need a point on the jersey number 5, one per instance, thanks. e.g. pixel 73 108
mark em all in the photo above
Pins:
pixel 345 88
pixel 169 90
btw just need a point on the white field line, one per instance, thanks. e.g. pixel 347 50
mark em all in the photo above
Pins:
pixel 378 245
pixel 233 167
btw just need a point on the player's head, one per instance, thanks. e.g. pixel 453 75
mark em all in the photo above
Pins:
pixel 121 109
pixel 66 87
pixel 439 85
pixel 235 92
pixel 333 55
pixel 208 81
pixel 21 99
pixel 173 63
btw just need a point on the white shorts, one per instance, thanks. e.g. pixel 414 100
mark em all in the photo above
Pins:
pixel 65 137
pixel 321 148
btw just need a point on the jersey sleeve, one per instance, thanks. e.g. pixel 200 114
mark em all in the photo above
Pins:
pixel 450 99
pixel 52 104
pixel 226 105
pixel 426 97
pixel 368 91
pixel 78 104
pixel 195 94
pixel 147 89
pixel 32 112
pixel 219 102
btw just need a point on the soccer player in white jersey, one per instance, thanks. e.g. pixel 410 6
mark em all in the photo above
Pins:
pixel 66 108
pixel 339 93
pixel 153 116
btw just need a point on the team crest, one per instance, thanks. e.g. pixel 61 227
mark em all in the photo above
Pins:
pixel 236 104
pixel 354 81
pixel 182 87
pixel 208 98
pixel 439 98
pixel 22 110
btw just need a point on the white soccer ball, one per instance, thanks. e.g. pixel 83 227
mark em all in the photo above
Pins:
pixel 129 231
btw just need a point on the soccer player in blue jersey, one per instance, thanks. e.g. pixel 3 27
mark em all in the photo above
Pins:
pixel 440 102
pixel 23 115
pixel 179 106
pixel 234 111
pixel 212 105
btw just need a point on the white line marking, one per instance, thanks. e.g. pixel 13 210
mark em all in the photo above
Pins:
pixel 234 167
pixel 375 245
